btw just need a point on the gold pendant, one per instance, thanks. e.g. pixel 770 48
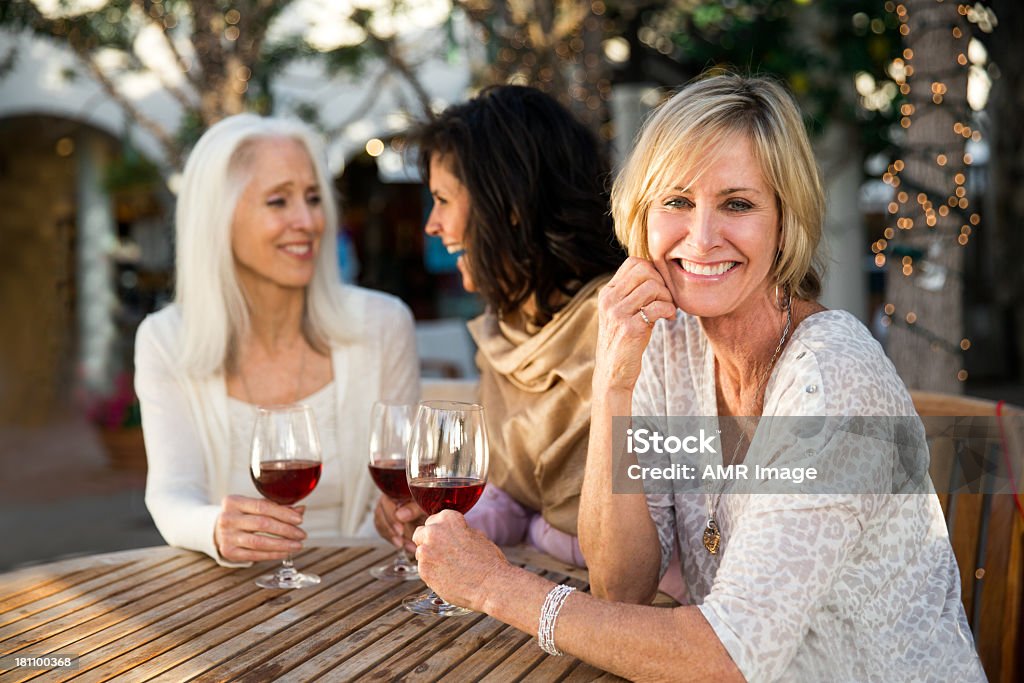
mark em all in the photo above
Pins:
pixel 712 537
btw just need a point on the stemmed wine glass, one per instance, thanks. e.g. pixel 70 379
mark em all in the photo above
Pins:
pixel 447 470
pixel 390 428
pixel 285 464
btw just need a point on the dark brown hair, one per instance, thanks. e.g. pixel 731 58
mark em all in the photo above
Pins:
pixel 537 182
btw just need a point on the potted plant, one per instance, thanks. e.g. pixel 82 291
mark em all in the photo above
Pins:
pixel 117 415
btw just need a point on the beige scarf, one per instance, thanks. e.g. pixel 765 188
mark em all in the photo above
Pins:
pixel 535 386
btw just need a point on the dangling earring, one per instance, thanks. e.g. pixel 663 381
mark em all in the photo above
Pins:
pixel 783 303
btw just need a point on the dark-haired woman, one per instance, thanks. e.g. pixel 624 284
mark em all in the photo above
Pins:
pixel 519 193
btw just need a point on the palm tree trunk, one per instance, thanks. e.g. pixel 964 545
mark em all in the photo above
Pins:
pixel 924 290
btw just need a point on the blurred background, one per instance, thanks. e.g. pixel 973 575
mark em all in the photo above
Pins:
pixel 913 106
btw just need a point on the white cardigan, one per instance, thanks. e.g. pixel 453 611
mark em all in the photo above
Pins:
pixel 187 432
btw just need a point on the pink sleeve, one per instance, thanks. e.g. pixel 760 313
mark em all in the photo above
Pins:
pixel 558 544
pixel 506 522
pixel 500 517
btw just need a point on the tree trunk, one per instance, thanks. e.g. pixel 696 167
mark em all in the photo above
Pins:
pixel 924 289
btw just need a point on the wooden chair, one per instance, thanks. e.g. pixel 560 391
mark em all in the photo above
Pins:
pixel 986 530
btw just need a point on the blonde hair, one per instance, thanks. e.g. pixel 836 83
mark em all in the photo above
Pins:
pixel 679 140
pixel 213 305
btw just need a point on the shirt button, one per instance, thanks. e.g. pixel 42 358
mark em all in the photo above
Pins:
pixel 811 388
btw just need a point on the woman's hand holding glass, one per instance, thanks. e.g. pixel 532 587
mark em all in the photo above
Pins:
pixel 257 530
pixel 458 561
pixel 396 522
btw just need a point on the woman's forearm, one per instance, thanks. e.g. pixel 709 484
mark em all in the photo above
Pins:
pixel 641 643
pixel 616 533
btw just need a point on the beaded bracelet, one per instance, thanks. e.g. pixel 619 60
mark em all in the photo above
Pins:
pixel 549 615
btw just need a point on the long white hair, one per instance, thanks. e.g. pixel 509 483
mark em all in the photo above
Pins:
pixel 213 305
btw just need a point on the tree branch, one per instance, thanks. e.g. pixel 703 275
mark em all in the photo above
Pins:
pixel 146 7
pixel 145 122
pixel 410 77
pixel 363 107
pixel 80 46
pixel 389 46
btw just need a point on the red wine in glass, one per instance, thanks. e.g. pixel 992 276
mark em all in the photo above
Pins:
pixel 286 482
pixel 285 465
pixel 390 427
pixel 434 494
pixel 447 467
pixel 389 476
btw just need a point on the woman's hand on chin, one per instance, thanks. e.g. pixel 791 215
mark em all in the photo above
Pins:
pixel 637 291
pixel 457 561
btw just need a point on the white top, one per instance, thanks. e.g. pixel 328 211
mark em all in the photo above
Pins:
pixel 843 586
pixel 188 424
pixel 322 519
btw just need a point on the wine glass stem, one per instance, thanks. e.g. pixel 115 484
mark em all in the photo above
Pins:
pixel 286 572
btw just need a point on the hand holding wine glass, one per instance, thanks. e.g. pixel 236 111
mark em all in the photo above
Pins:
pixel 447 470
pixel 285 463
pixel 390 429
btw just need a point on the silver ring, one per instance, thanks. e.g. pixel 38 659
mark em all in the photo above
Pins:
pixel 644 316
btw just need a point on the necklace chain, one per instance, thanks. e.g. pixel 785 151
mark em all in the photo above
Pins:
pixel 298 379
pixel 712 535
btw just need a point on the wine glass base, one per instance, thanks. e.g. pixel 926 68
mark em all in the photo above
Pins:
pixel 396 572
pixel 432 605
pixel 288 581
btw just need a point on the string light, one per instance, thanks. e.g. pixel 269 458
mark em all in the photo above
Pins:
pixel 932 203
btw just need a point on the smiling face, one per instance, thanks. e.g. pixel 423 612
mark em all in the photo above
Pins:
pixel 714 239
pixel 279 218
pixel 450 215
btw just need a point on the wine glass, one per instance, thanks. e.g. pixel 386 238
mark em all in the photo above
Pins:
pixel 447 470
pixel 390 428
pixel 285 465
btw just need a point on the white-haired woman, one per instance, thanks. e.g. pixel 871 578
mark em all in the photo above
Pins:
pixel 259 318
pixel 715 315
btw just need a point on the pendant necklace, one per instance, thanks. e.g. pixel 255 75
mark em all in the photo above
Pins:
pixel 712 537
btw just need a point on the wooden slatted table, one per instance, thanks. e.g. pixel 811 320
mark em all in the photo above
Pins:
pixel 172 615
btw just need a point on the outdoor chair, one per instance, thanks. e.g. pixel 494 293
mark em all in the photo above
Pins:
pixel 986 529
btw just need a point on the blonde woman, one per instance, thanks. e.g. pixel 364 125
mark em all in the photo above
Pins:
pixel 715 314
pixel 259 318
